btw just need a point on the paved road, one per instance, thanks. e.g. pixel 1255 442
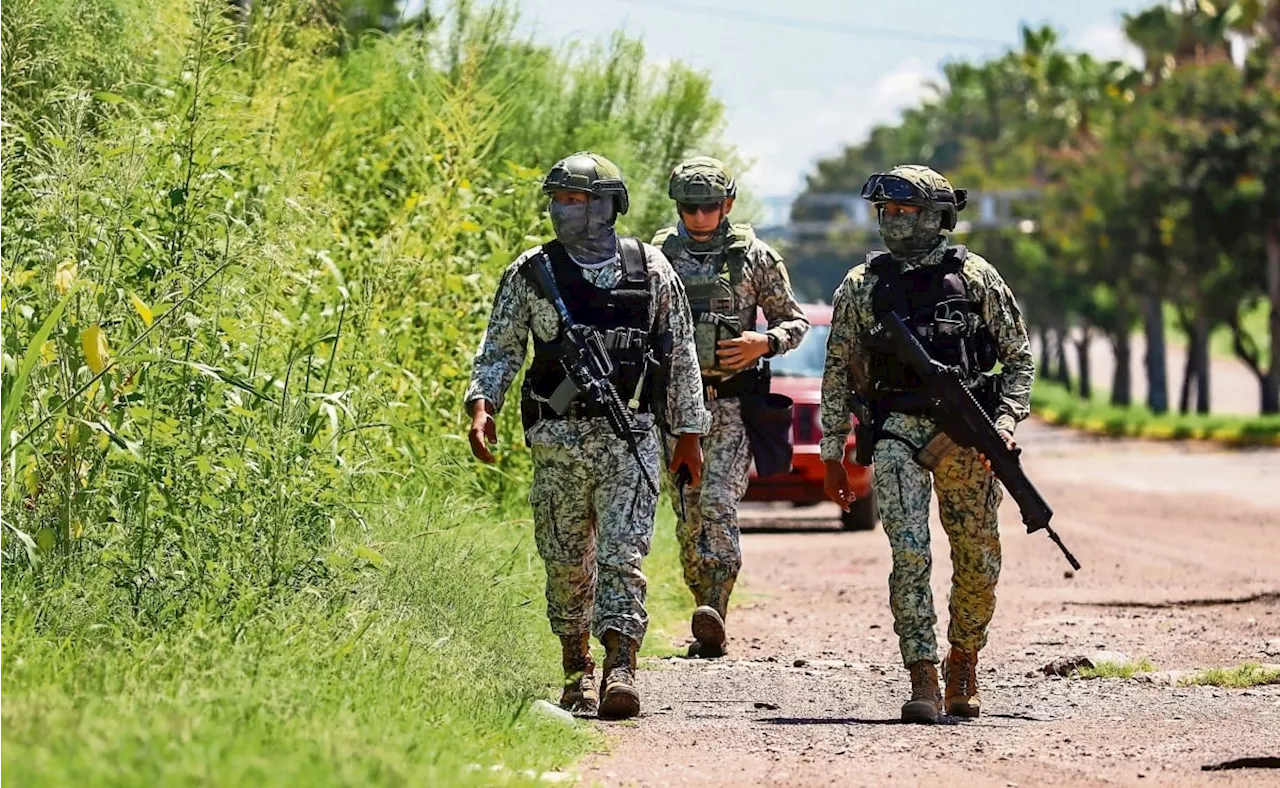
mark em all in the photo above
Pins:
pixel 1179 546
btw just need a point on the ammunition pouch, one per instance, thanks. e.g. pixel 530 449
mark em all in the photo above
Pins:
pixel 767 418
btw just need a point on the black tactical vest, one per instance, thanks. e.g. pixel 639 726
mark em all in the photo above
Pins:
pixel 934 303
pixel 624 316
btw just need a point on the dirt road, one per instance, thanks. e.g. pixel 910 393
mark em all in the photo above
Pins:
pixel 1171 538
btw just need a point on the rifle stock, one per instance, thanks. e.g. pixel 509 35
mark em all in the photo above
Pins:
pixel 961 417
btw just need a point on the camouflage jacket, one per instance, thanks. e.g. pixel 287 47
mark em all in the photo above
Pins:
pixel 519 309
pixel 763 283
pixel 847 366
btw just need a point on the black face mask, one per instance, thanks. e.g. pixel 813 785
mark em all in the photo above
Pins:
pixel 586 229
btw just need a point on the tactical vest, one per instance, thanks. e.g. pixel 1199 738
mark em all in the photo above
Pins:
pixel 624 316
pixel 934 303
pixel 713 301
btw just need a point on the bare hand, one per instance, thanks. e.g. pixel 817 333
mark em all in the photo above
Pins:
pixel 836 484
pixel 1008 441
pixel 484 430
pixel 688 452
pixel 741 352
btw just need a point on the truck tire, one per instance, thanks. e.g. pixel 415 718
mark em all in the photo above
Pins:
pixel 863 514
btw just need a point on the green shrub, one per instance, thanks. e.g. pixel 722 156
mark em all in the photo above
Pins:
pixel 244 273
pixel 1058 405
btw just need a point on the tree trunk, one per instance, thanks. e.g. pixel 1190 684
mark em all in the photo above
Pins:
pixel 1045 371
pixel 1189 369
pixel 1271 386
pixel 1188 379
pixel 1200 352
pixel 1156 361
pixel 1082 361
pixel 1060 354
pixel 1122 380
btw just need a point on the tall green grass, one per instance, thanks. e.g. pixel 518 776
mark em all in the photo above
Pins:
pixel 244 270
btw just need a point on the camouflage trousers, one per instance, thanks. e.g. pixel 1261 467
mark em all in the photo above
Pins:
pixel 968 498
pixel 708 534
pixel 593 521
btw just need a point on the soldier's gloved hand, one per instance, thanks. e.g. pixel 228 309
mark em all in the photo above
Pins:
pixel 836 484
pixel 741 352
pixel 484 430
pixel 688 452
pixel 1008 441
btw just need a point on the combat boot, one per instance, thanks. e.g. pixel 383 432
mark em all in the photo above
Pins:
pixel 619 697
pixel 961 671
pixel 579 695
pixel 926 700
pixel 710 638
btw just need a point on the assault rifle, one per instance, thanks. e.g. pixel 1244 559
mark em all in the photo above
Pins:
pixel 963 419
pixel 587 369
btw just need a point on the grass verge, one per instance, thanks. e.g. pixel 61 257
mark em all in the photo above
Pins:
pixel 418 667
pixel 1249 674
pixel 1056 405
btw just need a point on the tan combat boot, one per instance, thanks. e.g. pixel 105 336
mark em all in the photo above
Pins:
pixel 579 695
pixel 619 698
pixel 926 700
pixel 710 638
pixel 961 669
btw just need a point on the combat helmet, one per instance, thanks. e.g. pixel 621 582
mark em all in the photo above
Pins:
pixel 701 180
pixel 916 184
pixel 589 173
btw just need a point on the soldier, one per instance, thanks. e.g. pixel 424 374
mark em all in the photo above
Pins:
pixel 593 498
pixel 964 315
pixel 727 273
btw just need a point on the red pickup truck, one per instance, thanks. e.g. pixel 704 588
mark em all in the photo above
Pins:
pixel 798 375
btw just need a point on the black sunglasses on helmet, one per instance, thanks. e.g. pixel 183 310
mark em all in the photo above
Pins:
pixel 695 208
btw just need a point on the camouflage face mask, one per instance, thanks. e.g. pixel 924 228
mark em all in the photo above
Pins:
pixel 909 235
pixel 586 229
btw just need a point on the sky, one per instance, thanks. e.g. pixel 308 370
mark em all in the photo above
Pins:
pixel 802 79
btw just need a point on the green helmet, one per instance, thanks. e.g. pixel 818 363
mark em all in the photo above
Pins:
pixel 916 184
pixel 701 180
pixel 589 173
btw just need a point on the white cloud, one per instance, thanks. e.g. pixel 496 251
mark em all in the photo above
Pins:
pixel 1106 41
pixel 787 130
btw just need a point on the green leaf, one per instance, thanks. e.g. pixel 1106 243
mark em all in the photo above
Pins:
pixel 46 538
pixel 28 543
pixel 107 97
pixel 14 398
pixel 371 555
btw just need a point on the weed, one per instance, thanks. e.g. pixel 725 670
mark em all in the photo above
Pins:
pixel 1249 674
pixel 1116 670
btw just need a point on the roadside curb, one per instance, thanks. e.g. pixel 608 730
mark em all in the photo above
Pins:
pixel 1231 436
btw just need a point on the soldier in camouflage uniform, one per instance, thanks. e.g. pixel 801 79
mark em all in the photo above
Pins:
pixel 593 505
pixel 965 315
pixel 728 273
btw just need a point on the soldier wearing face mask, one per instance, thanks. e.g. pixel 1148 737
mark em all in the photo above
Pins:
pixel 593 509
pixel 728 273
pixel 965 316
